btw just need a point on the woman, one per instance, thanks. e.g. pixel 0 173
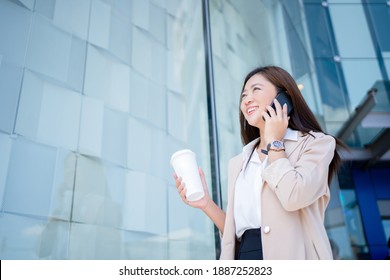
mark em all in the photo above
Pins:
pixel 278 187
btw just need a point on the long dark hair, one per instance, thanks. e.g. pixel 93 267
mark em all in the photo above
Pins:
pixel 301 118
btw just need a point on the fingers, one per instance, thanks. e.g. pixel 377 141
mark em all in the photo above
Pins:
pixel 271 111
pixel 285 110
pixel 180 185
pixel 279 111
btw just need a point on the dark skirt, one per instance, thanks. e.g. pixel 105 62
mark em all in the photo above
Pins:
pixel 249 248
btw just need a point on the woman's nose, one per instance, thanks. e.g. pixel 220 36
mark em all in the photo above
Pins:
pixel 248 100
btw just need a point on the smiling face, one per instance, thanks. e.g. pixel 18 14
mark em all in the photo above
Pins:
pixel 257 94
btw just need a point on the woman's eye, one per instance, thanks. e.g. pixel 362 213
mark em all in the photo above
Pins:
pixel 256 88
pixel 243 96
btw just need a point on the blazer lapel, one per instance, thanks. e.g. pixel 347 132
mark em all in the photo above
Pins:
pixel 236 167
pixel 291 145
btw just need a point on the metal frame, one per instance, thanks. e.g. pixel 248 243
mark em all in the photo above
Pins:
pixel 211 107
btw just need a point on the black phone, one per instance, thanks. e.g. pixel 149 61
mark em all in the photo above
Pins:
pixel 283 98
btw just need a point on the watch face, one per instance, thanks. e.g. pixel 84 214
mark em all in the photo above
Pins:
pixel 277 144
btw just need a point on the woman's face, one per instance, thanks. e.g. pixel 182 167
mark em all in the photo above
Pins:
pixel 257 94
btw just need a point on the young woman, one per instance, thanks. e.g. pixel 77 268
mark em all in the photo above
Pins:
pixel 278 187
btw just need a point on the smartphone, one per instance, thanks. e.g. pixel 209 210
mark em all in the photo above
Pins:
pixel 283 98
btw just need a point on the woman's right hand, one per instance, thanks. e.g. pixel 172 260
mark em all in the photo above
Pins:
pixel 201 203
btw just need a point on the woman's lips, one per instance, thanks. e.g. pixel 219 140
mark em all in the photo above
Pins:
pixel 251 110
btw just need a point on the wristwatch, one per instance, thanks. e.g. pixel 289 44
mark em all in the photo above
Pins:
pixel 276 146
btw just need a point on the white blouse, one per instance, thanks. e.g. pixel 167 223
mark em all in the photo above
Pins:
pixel 247 196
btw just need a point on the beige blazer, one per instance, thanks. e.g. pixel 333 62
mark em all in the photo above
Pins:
pixel 295 194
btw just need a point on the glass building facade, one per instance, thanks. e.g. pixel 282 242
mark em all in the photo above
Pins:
pixel 96 95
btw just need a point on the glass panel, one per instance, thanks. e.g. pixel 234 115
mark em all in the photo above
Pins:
pixel 76 67
pixel 111 31
pixel 45 7
pixel 320 35
pixel 59 116
pixel 156 28
pixel 27 3
pixel 333 98
pixel 354 224
pixel 91 127
pixel 5 151
pixel 345 27
pixel 386 226
pixel 176 116
pixel 90 198
pixel 138 145
pixel 99 30
pixel 53 240
pixel 72 16
pixel 141 246
pixel 387 62
pixel 30 179
pixel 107 79
pixel 10 83
pixel 14 40
pixel 28 238
pixel 117 97
pixel 339 241
pixel 156 108
pixel 336 225
pixel 140 100
pixel 141 14
pixel 142 52
pixel 29 106
pixel 48 112
pixel 298 49
pixel 381 20
pixel 114 137
pixel 49 49
pixel 187 243
pixel 360 82
pixel 149 194
pixel 63 183
pixel 120 39
pixel 93 242
pixel 384 207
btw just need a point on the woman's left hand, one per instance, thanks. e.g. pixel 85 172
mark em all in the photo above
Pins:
pixel 276 123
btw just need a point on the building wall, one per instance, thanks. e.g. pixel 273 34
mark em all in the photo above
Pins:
pixel 95 96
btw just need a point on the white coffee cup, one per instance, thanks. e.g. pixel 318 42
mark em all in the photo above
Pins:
pixel 185 165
